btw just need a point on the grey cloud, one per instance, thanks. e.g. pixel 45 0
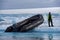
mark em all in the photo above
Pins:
pixel 21 4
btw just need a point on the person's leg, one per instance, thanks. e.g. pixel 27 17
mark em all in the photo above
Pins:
pixel 51 23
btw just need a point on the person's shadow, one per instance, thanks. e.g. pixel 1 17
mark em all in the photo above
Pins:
pixel 50 36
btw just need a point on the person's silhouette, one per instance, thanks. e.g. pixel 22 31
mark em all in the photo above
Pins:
pixel 50 23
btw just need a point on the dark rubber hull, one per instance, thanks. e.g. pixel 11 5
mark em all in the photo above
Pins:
pixel 27 24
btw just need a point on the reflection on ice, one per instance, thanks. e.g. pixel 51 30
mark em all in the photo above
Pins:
pixel 43 37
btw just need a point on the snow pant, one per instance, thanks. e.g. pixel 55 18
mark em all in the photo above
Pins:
pixel 50 23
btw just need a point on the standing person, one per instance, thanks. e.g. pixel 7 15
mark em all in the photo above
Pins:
pixel 50 23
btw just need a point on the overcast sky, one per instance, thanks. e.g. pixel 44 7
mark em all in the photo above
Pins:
pixel 23 4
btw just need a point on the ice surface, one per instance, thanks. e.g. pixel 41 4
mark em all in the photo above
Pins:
pixel 10 19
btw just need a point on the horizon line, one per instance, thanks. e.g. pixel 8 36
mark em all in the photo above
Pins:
pixel 33 10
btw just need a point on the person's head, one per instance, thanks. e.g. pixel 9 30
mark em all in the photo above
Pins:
pixel 49 13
